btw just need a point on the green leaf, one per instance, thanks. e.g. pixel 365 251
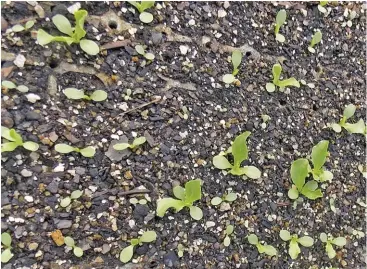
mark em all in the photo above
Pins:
pixel 73 93
pixel 221 162
pixel 330 250
pixel 5 132
pixel 339 241
pixel 281 17
pixel 66 39
pixel 139 141
pixel 326 176
pixel 134 242
pixel 252 172
pixel 336 127
pixel 17 28
pixel 79 32
pixel 6 255
pixel 6 239
pixel 311 185
pixel 78 252
pixel 299 172
pixel 140 49
pixel 356 128
pixel 148 236
pixel 31 146
pixel 64 148
pixel 65 202
pixel 29 24
pixel 8 84
pixel 196 213
pixel 146 4
pixel 277 70
pixel 294 249
pixel 236 59
pixel 311 194
pixel 179 192
pixel 88 152
pixel 22 88
pixel 76 194
pixel 149 56
pixel 16 137
pixel 227 241
pixel 319 154
pixel 229 229
pixel 230 197
pixel 44 38
pixel 270 87
pixel 239 148
pixel 192 191
pixel 252 239
pixel 280 38
pixel 228 78
pixel 323 3
pixel 316 38
pixel 270 250
pixel 323 237
pixel 164 204
pixel 349 111
pixel 216 201
pixel 136 5
pixel 126 254
pixel 121 146
pixel 98 96
pixel 89 46
pixel 69 241
pixel 285 235
pixel 293 193
pixel 146 17
pixel 62 24
pixel 288 82
pixel 306 241
pixel 10 146
pixel 321 8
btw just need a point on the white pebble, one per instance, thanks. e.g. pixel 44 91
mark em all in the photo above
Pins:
pixel 31 97
pixel 184 49
pixel 19 60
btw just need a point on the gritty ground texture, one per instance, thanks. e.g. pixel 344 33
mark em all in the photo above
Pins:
pixel 191 42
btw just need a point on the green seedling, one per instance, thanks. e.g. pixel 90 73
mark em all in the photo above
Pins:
pixel 321 6
pixel 316 38
pixel 187 196
pixel 135 201
pixel 141 50
pixel 236 61
pixel 277 70
pixel 145 17
pixel 227 239
pixel 180 250
pixel 185 114
pixel 127 96
pixel 127 253
pixel 280 20
pixel 137 142
pixel 86 152
pixel 330 241
pixel 78 252
pixel 318 158
pixel 75 94
pixel 10 85
pixel 6 255
pixel 73 196
pixel 294 249
pixel 19 28
pixel 15 141
pixel 229 197
pixel 262 248
pixel 75 35
pixel 352 128
pixel 240 153
pixel 265 119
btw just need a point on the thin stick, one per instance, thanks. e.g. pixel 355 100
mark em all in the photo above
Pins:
pixel 135 191
pixel 158 98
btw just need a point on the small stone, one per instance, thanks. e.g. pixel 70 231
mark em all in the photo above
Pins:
pixel 32 98
pixel 224 207
pixel 28 198
pixel 105 248
pixel 19 60
pixel 4 24
pixel 7 122
pixel 59 168
pixel 52 85
pixel 117 155
pixel 157 38
pixel 226 4
pixel 210 224
pixel 53 187
pixel 26 173
pixel 221 13
pixel 170 259
pixel 205 39
pixel 39 10
pixel 192 22
pixel 32 115
pixel 53 136
pixel 184 49
pixel 38 254
pixel 63 224
pixel 33 246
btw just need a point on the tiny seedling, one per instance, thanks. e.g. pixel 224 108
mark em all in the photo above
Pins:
pixel 180 250
pixel 352 128
pixel 187 196
pixel 73 196
pixel 127 253
pixel 363 169
pixel 86 152
pixel 15 141
pixel 185 114
pixel 19 28
pixel 75 94
pixel 78 252
pixel 145 17
pixel 240 153
pixel 137 142
pixel 316 38
pixel 294 249
pixel 265 119
pixel 229 197
pixel 330 241
pixel 6 84
pixel 280 20
pixel 277 70
pixel 127 96
pixel 262 248
pixel 236 61
pixel 227 239
pixel 141 50
pixel 75 35
pixel 6 255
pixel 318 158
pixel 321 6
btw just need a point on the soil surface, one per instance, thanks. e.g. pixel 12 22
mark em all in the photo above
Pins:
pixel 191 42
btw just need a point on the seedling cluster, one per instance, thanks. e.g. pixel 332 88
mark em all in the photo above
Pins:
pixel 144 16
pixel 78 252
pixel 10 85
pixel 229 197
pixel 73 196
pixel 86 152
pixel 137 142
pixel 294 249
pixel 75 94
pixel 6 254
pixel 141 50
pixel 262 248
pixel 236 61
pixel 19 28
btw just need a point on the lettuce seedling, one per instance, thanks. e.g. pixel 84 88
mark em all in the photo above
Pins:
pixel 86 152
pixel 75 34
pixel 277 69
pixel 15 141
pixel 6 255
pixel 78 252
pixel 294 249
pixel 352 128
pixel 180 250
pixel 73 196
pixel 127 253
pixel 236 61
pixel 10 85
pixel 227 239
pixel 240 153
pixel 280 20
pixel 75 94
pixel 318 158
pixel 141 50
pixel 330 241
pixel 145 17
pixel 229 197
pixel 316 38
pixel 262 248
pixel 187 196
pixel 137 142
pixel 19 28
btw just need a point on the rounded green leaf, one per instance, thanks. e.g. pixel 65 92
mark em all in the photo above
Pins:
pixel 339 241
pixel 78 252
pixel 139 141
pixel 316 38
pixel 31 146
pixel 180 253
pixel 326 176
pixel 6 239
pixel 336 127
pixel 73 93
pixel 126 254
pixel 16 137
pixel 17 28
pixel 22 88
pixel 140 49
pixel 88 152
pixel 312 50
pixel 29 24
pixel 306 241
pixel 270 87
pixel 280 38
pixel 44 38
pixel 64 148
pixel 62 24
pixel 65 202
pixel 311 185
pixel 356 128
pixel 134 242
pixel 196 213
pixel 349 111
pixel 299 172
pixel 69 241
pixel 252 172
pixel 293 193
pixel 294 249
pixel 10 146
pixel 285 235
pixel 281 17
pixel 8 84
pixel 330 250
pixel 89 46
pixel 148 236
pixel 98 96
pixel 149 56
pixel 216 201
pixel 121 146
pixel 228 78
pixel 221 162
pixel 146 17
pixel 270 250
pixel 76 194
pixel 6 255
pixel 227 241
pixel 5 132
pixel 323 237
pixel 230 197
pixel 229 229
pixel 277 69
pixel 252 239
pixel 319 154
pixel 179 192
pixel 236 59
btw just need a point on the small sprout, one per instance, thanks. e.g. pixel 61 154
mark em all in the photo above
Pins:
pixel 180 250
pixel 352 128
pixel 277 70
pixel 240 153
pixel 280 20
pixel 145 17
pixel 10 85
pixel 185 114
pixel 127 96
pixel 6 255
pixel 86 152
pixel 321 6
pixel 236 61
pixel 67 200
pixel 127 253
pixel 229 197
pixel 136 201
pixel 15 141
pixel 78 252
pixel 294 249
pixel 330 241
pixel 75 94
pixel 227 239
pixel 265 119
pixel 316 38
pixel 262 248
pixel 332 205
pixel 19 28
pixel 187 196
pixel 137 142
pixel 140 49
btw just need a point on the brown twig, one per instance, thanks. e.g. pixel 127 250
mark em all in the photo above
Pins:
pixel 123 193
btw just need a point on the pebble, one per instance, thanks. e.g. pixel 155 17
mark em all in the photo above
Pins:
pixel 26 173
pixel 19 60
pixel 63 224
pixel 28 198
pixel 53 187
pixel 192 22
pixel 33 246
pixel 210 224
pixel 170 259
pixel 39 10
pixel 32 98
pixel 221 13
pixel 32 115
pixel 157 38
pixel 225 206
pixel 4 24
pixel 184 49
pixel 52 85
pixel 117 155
